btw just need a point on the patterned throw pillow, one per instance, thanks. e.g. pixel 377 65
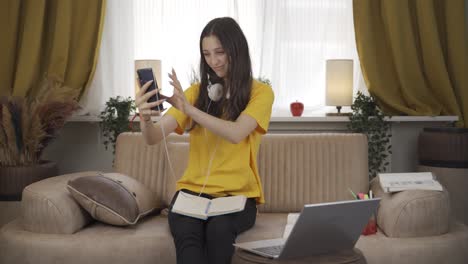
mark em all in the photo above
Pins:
pixel 113 198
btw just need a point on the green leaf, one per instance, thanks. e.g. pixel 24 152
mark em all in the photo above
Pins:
pixel 367 118
pixel 115 119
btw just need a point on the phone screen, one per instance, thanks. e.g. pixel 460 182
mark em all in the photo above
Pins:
pixel 145 75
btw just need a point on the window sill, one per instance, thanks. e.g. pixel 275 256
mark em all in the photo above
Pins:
pixel 324 118
pixel 307 119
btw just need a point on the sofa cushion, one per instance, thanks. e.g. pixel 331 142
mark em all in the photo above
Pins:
pixel 178 156
pixel 47 206
pixel 149 241
pixel 298 169
pixel 113 198
pixel 451 247
pixel 412 213
pixel 146 163
pixel 267 226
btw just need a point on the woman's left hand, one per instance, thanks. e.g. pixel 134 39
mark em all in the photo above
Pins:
pixel 178 99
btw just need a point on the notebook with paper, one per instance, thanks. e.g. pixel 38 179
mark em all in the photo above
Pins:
pixel 320 228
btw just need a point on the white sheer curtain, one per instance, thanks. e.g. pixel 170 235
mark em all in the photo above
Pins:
pixel 298 37
pixel 114 71
pixel 170 31
pixel 289 42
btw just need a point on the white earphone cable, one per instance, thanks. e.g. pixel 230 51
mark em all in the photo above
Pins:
pixel 167 151
pixel 209 163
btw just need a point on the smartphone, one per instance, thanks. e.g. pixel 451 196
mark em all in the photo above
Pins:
pixel 145 75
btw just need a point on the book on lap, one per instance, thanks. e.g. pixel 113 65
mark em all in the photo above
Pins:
pixel 202 208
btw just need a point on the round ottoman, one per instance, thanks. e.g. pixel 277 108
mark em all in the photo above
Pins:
pixel 354 256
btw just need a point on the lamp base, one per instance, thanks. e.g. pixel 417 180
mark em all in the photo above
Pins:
pixel 338 114
pixel 338 108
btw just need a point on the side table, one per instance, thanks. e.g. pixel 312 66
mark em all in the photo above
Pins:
pixel 354 256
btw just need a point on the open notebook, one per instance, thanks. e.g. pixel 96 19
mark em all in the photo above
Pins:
pixel 202 208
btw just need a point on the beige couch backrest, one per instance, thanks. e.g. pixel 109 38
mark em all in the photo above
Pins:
pixel 296 169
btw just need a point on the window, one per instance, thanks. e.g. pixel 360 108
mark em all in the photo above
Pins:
pixel 289 40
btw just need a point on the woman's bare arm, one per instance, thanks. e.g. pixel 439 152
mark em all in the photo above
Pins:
pixel 152 133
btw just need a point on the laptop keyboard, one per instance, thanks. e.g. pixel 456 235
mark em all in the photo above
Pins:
pixel 271 250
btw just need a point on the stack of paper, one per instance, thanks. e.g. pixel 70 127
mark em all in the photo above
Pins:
pixel 395 182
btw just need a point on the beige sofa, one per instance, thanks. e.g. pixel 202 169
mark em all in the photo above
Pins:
pixel 414 226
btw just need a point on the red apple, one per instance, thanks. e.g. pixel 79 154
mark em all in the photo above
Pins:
pixel 297 108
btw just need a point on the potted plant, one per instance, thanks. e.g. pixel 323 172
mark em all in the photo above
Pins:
pixel 193 78
pixel 27 126
pixel 115 119
pixel 264 80
pixel 368 119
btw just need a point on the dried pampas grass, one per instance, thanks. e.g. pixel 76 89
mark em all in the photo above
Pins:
pixel 28 125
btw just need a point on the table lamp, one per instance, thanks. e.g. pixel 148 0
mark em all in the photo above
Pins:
pixel 339 85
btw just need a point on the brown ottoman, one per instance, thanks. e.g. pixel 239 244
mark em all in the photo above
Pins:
pixel 345 257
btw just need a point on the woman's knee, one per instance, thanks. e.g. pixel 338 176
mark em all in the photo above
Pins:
pixel 220 227
pixel 182 226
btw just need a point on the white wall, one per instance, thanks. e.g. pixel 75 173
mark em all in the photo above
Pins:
pixel 79 148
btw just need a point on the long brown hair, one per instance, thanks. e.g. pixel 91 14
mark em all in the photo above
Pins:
pixel 239 76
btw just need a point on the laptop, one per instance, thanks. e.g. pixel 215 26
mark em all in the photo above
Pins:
pixel 320 228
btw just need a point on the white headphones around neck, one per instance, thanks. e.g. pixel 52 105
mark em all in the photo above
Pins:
pixel 215 91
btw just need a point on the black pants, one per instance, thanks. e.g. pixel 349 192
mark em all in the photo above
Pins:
pixel 209 241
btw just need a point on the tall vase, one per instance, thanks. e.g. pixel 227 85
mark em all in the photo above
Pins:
pixel 14 179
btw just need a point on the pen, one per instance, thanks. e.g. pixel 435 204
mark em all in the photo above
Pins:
pixel 353 194
pixel 208 207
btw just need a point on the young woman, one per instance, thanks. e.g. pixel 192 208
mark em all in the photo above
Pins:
pixel 226 115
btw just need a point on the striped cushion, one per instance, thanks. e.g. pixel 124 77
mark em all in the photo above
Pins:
pixel 47 206
pixel 295 169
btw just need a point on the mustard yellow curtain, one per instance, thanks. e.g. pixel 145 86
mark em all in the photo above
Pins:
pixel 58 38
pixel 414 55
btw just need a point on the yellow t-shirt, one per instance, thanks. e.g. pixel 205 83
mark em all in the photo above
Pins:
pixel 233 170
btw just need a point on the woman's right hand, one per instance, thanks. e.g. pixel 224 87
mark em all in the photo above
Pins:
pixel 178 99
pixel 141 101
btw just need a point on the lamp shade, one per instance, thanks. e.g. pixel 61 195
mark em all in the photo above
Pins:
pixel 339 81
pixel 153 64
